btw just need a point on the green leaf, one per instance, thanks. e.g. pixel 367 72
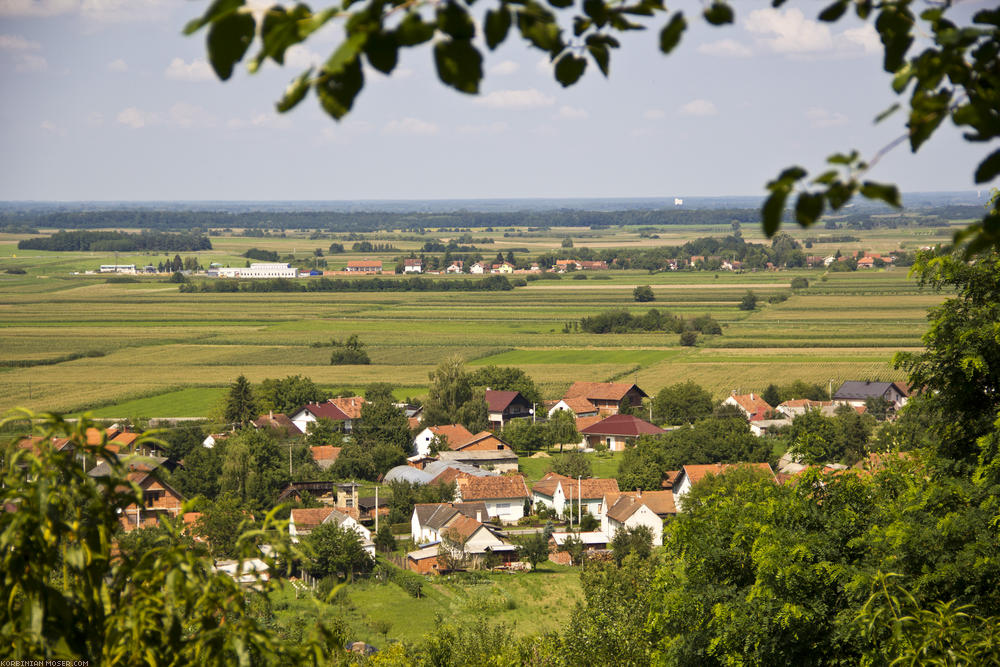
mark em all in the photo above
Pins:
pixel 228 40
pixel 541 30
pixel 337 90
pixel 413 30
pixel 670 36
pixel 719 13
pixel 888 112
pixel 496 26
pixel 459 64
pixel 772 211
pixel 790 175
pixel 601 56
pixel 382 51
pixel 296 90
pixel 569 69
pixel 279 30
pixel 596 10
pixel 988 168
pixel 453 20
pixel 346 54
pixel 834 11
pixel 561 4
pixel 215 11
pixel 808 208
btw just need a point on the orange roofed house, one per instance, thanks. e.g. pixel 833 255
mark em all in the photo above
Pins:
pixel 364 266
pixel 607 397
pixel 504 495
pixel 691 475
pixel 453 434
pixel 158 497
pixel 753 407
pixel 563 493
pixel 618 431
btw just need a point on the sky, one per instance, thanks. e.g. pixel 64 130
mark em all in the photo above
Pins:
pixel 106 100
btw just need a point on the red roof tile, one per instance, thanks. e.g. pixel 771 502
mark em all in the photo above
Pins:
pixel 492 488
pixel 601 391
pixel 623 425
pixel 326 411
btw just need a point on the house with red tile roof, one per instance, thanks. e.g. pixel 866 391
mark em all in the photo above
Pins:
pixel 630 511
pixel 607 397
pixel 692 474
pixel 301 522
pixel 577 405
pixel 350 406
pixel 452 434
pixel 364 266
pixel 563 493
pixel 753 407
pixel 502 406
pixel 618 431
pixel 276 421
pixel 315 411
pixel 413 265
pixel 504 495
pixel 325 455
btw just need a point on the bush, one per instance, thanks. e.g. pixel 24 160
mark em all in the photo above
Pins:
pixel 16 272
pixel 580 276
pixel 643 293
pixel 749 301
pixel 777 298
pixel 800 282
pixel 689 338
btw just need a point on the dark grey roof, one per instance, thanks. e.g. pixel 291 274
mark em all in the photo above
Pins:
pixel 856 389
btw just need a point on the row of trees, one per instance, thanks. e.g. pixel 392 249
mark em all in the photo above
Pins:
pixel 622 321
pixel 494 283
pixel 118 242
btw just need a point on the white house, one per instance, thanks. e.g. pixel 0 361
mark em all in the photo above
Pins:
pixel 504 495
pixel 563 493
pixel 479 268
pixel 455 435
pixel 628 512
pixel 430 520
pixel 301 522
pixel 413 265
pixel 314 411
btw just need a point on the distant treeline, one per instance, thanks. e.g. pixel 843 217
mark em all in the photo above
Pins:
pixel 622 321
pixel 118 242
pixel 495 283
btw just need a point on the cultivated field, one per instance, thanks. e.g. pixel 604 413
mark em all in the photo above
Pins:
pixel 72 342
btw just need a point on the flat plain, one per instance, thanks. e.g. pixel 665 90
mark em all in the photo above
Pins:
pixel 74 342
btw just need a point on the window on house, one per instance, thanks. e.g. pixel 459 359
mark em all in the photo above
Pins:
pixel 503 508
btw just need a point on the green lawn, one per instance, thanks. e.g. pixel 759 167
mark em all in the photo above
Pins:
pixel 603 465
pixel 528 603
pixel 189 402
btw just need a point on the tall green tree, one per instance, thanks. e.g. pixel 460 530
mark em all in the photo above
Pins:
pixel 451 399
pixel 682 403
pixel 241 404
pixel 287 395
pixel 336 551
pixel 506 378
pixel 383 423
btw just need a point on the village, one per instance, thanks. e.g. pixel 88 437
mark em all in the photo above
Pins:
pixel 489 515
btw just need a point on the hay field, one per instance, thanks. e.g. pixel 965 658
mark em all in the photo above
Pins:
pixel 70 342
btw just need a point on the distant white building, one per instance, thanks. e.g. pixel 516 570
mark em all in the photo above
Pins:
pixel 260 270
pixel 117 268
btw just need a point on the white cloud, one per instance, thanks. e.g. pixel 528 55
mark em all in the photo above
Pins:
pixel 490 128
pixel 865 36
pixel 653 114
pixel 136 118
pixel 504 68
pixel 789 31
pixel 725 48
pixel 196 70
pixel 117 65
pixel 108 11
pixel 37 8
pixel 17 43
pixel 820 118
pixel 410 126
pixel 698 107
pixel 302 57
pixel 49 126
pixel 30 62
pixel 531 98
pixel 181 114
pixel 269 120
pixel 572 113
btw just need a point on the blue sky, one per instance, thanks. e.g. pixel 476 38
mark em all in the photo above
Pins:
pixel 105 100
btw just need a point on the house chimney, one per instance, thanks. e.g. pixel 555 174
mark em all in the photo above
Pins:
pixel 638 493
pixel 479 516
pixel 270 415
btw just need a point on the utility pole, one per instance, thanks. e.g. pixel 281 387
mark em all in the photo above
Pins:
pixel 579 502
pixel 376 509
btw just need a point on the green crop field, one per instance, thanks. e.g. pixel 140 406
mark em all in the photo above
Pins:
pixel 71 341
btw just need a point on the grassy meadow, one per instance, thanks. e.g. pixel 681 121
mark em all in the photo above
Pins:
pixel 73 342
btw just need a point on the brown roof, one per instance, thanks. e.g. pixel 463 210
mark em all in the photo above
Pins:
pixel 449 475
pixel 623 425
pixel 307 519
pixel 463 526
pixel 661 502
pixel 804 403
pixel 584 422
pixel 413 422
pixel 601 391
pixel 412 262
pixel 624 507
pixel 126 438
pixel 479 437
pixel 365 264
pixel 752 404
pixel 670 478
pixel 349 405
pixel 326 411
pixel 696 473
pixel 497 401
pixel 492 488
pixel 589 488
pixel 579 405
pixel 325 453
pixel 456 434
pixel 276 420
